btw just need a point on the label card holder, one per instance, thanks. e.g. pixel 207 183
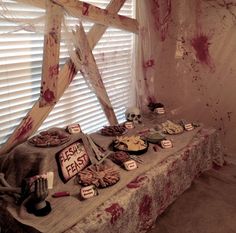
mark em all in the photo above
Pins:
pixel 160 111
pixel 74 128
pixel 88 192
pixel 130 165
pixel 166 144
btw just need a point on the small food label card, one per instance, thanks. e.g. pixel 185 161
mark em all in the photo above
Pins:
pixel 160 110
pixel 88 192
pixel 75 128
pixel 166 144
pixel 188 127
pixel 130 165
pixel 129 125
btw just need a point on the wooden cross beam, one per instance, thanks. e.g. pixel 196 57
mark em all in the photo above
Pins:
pixel 91 13
pixel 95 14
pixel 90 69
pixel 37 114
pixel 35 3
pixel 51 54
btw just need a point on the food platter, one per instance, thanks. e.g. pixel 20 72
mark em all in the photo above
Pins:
pixel 130 144
pixel 172 128
pixel 155 137
pixel 50 138
pixel 101 175
pixel 115 130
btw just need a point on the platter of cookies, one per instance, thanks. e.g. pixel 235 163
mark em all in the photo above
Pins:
pixel 171 128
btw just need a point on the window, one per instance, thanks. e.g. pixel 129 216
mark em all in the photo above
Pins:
pixel 20 73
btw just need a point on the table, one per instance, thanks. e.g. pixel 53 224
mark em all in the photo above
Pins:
pixel 136 207
pixel 134 203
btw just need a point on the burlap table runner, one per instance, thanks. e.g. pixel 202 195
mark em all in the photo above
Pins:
pixel 67 211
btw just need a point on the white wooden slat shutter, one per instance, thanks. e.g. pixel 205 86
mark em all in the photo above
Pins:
pixel 20 74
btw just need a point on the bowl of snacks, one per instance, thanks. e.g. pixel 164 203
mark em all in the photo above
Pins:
pixel 155 138
pixel 131 144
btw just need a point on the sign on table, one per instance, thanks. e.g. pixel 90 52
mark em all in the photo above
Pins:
pixel 73 159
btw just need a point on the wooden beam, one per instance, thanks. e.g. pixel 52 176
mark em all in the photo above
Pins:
pixel 51 54
pixel 90 69
pixel 35 3
pixel 95 14
pixel 98 30
pixel 37 115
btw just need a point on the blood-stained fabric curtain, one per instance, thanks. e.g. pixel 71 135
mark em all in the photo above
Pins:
pixel 186 60
pixel 153 17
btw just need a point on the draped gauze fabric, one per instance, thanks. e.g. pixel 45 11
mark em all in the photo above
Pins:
pixel 186 60
pixel 153 17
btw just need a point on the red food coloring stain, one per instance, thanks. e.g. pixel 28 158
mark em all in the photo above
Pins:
pixel 147 84
pixel 162 13
pixel 72 71
pixel 85 10
pixel 151 99
pixel 216 166
pixel 201 46
pixel 99 215
pixel 149 63
pixel 53 71
pixel 222 127
pixel 229 115
pixel 121 17
pixel 86 60
pixel 106 12
pixel 48 96
pixel 155 148
pixel 145 206
pixel 53 35
pixel 137 182
pixel 116 211
pixel 185 155
pixel 145 218
pixel 22 132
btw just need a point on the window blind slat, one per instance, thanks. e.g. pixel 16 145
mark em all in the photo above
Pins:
pixel 21 54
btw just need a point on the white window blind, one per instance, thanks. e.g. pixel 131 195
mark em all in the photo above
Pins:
pixel 20 74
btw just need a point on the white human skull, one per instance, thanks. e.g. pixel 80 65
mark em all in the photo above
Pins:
pixel 133 114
